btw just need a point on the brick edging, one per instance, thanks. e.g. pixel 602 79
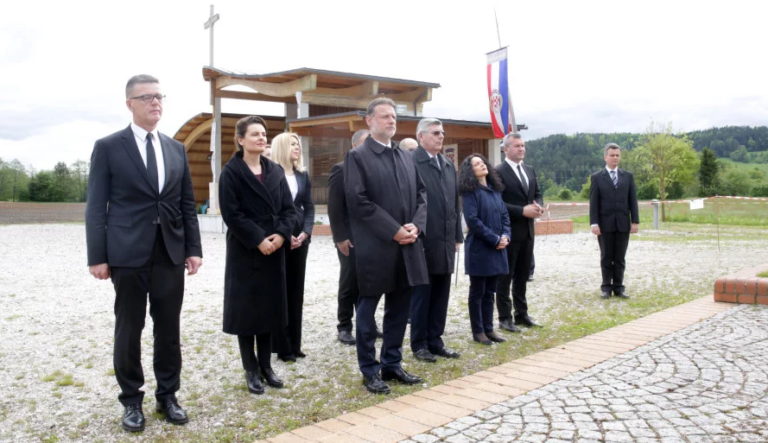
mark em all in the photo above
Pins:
pixel 743 287
pixel 402 417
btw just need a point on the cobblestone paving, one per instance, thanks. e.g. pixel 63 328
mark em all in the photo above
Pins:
pixel 705 383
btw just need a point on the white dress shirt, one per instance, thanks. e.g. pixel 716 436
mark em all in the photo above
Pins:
pixel 524 178
pixel 140 134
pixel 293 185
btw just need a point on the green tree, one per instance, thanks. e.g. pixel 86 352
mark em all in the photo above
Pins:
pixel 79 173
pixel 565 194
pixel 584 193
pixel 42 187
pixel 666 157
pixel 740 155
pixel 63 189
pixel 709 176
pixel 736 182
pixel 20 181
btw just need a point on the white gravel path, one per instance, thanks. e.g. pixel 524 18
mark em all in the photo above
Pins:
pixel 56 322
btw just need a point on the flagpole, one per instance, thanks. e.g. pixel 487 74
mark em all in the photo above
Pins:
pixel 498 34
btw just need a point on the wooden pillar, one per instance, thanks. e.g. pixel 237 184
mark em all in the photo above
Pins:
pixel 495 153
pixel 213 187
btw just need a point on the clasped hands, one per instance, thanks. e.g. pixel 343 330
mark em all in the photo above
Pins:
pixel 407 234
pixel 296 242
pixel 503 242
pixel 533 210
pixel 271 244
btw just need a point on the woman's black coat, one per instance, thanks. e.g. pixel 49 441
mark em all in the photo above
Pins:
pixel 254 283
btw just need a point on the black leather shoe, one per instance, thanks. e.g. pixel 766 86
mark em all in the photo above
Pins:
pixel 445 352
pixel 346 337
pixel 425 355
pixel 375 385
pixel 482 339
pixel 253 381
pixel 286 357
pixel 527 322
pixel 605 295
pixel 268 375
pixel 300 354
pixel 379 334
pixel 400 375
pixel 508 326
pixel 493 336
pixel 173 412
pixel 621 294
pixel 133 418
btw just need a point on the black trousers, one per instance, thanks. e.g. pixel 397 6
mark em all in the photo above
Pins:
pixel 519 254
pixel 429 307
pixel 164 282
pixel 263 343
pixel 348 290
pixel 396 306
pixel 613 249
pixel 480 303
pixel 289 341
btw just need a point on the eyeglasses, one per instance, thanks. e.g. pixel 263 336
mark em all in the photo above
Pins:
pixel 149 98
pixel 438 133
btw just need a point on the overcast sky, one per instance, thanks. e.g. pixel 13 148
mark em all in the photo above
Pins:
pixel 575 66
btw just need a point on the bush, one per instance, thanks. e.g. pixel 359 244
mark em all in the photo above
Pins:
pixel 565 194
pixel 648 191
pixel 760 191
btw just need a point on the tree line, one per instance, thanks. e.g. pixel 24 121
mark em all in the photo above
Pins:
pixel 666 164
pixel 62 184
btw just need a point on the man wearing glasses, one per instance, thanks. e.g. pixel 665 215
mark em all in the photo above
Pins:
pixel 429 303
pixel 141 231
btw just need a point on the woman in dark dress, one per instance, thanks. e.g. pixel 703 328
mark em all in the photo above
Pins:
pixel 489 232
pixel 286 151
pixel 256 206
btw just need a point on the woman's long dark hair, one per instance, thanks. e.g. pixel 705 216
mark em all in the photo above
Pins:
pixel 467 180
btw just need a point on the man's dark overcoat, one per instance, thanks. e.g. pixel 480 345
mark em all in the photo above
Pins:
pixel 384 192
pixel 254 283
pixel 443 211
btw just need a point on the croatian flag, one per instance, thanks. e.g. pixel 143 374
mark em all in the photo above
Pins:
pixel 502 116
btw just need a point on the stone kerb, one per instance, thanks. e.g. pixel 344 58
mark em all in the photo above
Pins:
pixel 743 287
pixel 553 227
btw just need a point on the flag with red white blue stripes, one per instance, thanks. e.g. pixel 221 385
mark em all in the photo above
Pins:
pixel 502 116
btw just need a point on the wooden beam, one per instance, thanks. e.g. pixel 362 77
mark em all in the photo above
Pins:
pixel 288 89
pixel 253 96
pixel 323 122
pixel 197 132
pixel 323 132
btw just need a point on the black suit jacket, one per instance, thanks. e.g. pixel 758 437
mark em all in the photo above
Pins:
pixel 515 199
pixel 613 209
pixel 443 211
pixel 338 214
pixel 123 208
pixel 384 192
pixel 305 208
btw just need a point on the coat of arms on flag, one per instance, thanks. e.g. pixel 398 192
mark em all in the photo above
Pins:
pixel 502 116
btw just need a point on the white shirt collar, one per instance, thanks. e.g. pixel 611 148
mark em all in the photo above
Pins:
pixel 512 163
pixel 382 144
pixel 609 169
pixel 142 133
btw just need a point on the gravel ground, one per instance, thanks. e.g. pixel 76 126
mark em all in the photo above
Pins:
pixel 57 324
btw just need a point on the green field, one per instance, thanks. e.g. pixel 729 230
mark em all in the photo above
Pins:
pixel 746 167
pixel 716 211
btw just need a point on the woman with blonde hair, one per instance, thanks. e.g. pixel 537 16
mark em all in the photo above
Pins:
pixel 286 151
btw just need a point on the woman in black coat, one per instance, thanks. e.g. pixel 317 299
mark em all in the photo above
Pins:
pixel 286 151
pixel 257 208
pixel 489 232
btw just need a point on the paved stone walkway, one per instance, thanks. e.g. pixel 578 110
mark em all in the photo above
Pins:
pixel 705 383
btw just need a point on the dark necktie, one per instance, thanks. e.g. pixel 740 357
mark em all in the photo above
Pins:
pixel 522 179
pixel 615 179
pixel 436 162
pixel 152 164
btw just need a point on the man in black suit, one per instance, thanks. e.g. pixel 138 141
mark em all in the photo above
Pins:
pixel 141 230
pixel 342 236
pixel 613 215
pixel 387 204
pixel 522 197
pixel 429 303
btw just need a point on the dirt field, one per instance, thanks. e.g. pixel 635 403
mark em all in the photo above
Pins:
pixel 26 213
